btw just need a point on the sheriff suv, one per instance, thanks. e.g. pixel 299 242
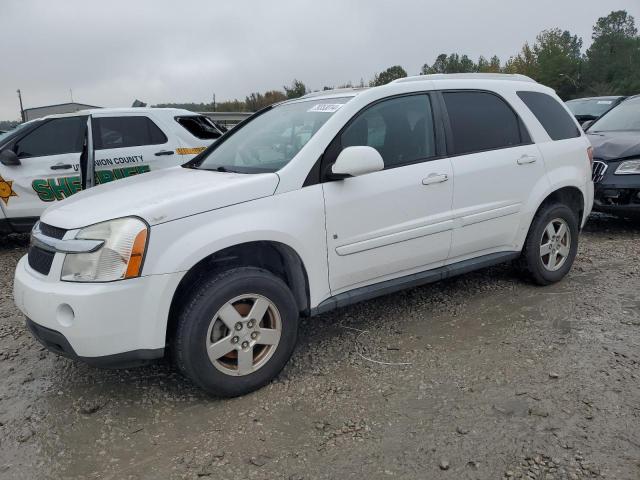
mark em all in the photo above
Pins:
pixel 310 205
pixel 44 161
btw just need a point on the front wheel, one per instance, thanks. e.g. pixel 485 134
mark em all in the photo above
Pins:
pixel 551 245
pixel 236 332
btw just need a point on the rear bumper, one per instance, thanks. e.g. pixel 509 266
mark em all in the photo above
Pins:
pixel 56 342
pixel 589 193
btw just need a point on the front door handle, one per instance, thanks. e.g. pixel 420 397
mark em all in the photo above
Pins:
pixel 164 152
pixel 61 166
pixel 524 159
pixel 435 178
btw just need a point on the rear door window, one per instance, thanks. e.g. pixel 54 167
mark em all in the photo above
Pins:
pixel 54 137
pixel 199 126
pixel 122 132
pixel 553 116
pixel 482 121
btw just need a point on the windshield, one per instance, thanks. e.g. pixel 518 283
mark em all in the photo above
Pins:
pixel 267 142
pixel 12 133
pixel 593 107
pixel 625 116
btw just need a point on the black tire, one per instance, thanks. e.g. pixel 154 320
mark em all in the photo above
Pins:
pixel 189 342
pixel 531 261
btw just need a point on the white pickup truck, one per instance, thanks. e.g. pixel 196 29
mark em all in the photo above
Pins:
pixel 41 160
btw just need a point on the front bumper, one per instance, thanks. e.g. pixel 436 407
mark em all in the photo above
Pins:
pixel 617 194
pixel 57 343
pixel 100 323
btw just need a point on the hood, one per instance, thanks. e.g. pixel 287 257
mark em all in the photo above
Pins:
pixel 160 196
pixel 608 146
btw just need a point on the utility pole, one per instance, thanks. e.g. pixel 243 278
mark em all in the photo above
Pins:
pixel 214 101
pixel 21 109
pixel 71 94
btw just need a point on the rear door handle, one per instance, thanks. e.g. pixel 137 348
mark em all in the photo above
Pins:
pixel 61 166
pixel 164 152
pixel 435 178
pixel 524 159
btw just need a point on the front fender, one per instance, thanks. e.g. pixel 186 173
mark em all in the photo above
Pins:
pixel 295 219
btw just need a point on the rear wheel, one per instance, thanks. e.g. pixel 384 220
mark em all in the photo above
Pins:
pixel 236 332
pixel 551 245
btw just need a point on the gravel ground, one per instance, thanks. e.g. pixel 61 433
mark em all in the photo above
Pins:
pixel 491 378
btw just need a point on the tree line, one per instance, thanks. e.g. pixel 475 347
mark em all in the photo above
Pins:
pixel 252 103
pixel 610 66
pixel 7 124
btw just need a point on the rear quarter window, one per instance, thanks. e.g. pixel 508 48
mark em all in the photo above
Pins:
pixel 199 126
pixel 551 114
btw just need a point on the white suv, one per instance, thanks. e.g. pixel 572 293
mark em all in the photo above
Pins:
pixel 310 205
pixel 44 161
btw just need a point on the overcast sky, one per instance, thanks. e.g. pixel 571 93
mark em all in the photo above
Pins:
pixel 110 52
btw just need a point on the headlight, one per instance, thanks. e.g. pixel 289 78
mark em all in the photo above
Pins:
pixel 628 168
pixel 121 256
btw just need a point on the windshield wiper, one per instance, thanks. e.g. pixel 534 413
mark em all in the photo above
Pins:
pixel 225 170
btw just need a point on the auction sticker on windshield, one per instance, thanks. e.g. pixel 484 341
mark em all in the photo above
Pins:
pixel 326 107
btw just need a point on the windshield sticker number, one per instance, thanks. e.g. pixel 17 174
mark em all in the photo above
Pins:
pixel 326 107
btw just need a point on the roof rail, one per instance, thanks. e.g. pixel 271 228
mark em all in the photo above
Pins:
pixel 467 76
pixel 334 90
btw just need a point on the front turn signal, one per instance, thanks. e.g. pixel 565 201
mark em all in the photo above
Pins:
pixel 134 266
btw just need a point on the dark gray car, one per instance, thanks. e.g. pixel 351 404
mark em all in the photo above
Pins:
pixel 592 108
pixel 616 169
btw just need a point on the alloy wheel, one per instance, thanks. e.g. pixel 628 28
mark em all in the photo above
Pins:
pixel 555 244
pixel 244 334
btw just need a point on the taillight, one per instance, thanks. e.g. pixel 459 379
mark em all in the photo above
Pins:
pixel 590 155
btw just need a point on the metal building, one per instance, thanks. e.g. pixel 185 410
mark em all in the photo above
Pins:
pixel 39 112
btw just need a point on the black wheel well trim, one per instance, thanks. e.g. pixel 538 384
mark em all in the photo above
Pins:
pixel 569 195
pixel 276 257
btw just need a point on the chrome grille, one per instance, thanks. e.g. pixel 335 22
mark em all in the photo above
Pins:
pixel 599 169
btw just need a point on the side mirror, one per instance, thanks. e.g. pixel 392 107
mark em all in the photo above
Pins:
pixel 587 124
pixel 8 157
pixel 355 161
